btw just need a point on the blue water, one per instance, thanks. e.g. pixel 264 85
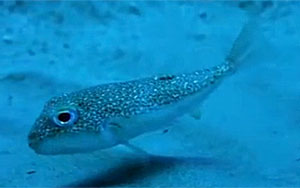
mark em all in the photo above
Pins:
pixel 248 133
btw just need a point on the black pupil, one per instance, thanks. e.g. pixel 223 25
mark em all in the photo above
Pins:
pixel 64 117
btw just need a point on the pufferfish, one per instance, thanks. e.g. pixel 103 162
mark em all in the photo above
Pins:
pixel 110 114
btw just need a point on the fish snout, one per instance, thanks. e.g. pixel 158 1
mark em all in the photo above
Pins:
pixel 33 141
pixel 33 145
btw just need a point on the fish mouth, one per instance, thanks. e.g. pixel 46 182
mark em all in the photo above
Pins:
pixel 33 142
pixel 34 145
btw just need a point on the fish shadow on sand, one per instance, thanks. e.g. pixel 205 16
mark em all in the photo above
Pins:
pixel 135 169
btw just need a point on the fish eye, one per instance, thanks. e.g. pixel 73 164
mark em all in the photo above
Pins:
pixel 65 117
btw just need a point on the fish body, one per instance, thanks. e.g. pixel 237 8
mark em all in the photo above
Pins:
pixel 110 114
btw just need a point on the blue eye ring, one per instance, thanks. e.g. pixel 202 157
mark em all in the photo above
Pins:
pixel 65 117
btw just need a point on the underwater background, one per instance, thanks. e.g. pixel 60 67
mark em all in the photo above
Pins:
pixel 249 130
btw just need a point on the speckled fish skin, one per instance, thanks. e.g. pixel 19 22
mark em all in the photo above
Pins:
pixel 124 99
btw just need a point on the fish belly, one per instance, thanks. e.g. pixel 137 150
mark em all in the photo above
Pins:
pixel 159 119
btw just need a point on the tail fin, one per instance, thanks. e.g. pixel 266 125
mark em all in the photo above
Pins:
pixel 244 42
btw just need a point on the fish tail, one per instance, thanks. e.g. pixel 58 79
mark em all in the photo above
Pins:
pixel 243 44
